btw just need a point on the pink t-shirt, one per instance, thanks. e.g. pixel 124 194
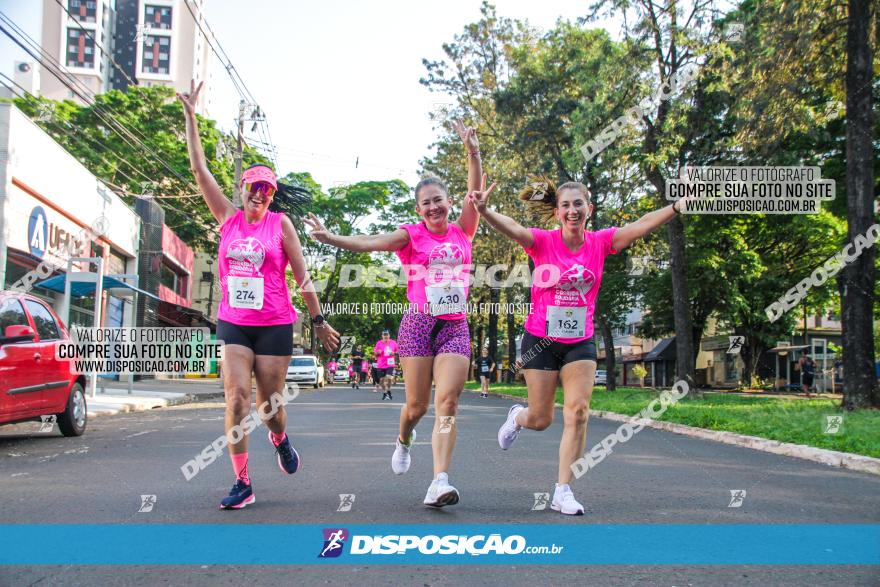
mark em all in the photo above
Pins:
pixel 384 351
pixel 332 366
pixel 574 282
pixel 365 366
pixel 433 259
pixel 254 251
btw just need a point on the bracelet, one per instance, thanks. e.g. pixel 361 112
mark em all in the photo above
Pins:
pixel 674 209
pixel 474 153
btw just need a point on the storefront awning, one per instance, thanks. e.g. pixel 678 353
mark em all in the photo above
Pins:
pixel 785 349
pixel 664 351
pixel 80 289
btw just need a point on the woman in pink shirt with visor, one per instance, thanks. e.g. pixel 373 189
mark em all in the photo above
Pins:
pixel 255 316
pixel 433 339
pixel 558 339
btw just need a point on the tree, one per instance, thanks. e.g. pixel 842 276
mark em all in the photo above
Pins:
pixel 858 279
pixel 134 142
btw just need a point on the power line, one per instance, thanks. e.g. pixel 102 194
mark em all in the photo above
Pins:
pixel 82 91
pixel 236 78
pixel 81 140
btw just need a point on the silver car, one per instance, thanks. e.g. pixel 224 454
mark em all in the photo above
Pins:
pixel 306 369
pixel 601 377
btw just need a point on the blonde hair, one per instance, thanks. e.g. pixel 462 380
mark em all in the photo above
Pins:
pixel 541 195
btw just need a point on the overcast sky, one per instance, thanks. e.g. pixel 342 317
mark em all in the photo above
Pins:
pixel 338 80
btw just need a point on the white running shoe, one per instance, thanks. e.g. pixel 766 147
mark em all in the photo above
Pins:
pixel 564 501
pixel 510 430
pixel 441 493
pixel 400 460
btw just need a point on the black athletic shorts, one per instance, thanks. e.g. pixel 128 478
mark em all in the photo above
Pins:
pixel 547 355
pixel 808 379
pixel 386 372
pixel 274 340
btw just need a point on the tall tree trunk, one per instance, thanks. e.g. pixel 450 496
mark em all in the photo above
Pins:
pixel 857 280
pixel 610 359
pixel 684 347
pixel 681 310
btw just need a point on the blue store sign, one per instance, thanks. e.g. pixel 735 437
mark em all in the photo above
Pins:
pixel 38 232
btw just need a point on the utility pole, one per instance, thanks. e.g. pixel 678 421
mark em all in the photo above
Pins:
pixel 236 194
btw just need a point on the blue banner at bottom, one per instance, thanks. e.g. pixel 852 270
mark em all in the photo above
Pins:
pixel 590 544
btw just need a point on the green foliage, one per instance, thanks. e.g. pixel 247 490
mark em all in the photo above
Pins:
pixel 148 155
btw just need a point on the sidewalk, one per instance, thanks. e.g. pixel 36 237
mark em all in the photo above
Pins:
pixel 112 397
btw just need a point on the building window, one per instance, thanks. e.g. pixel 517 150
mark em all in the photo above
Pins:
pixel 80 49
pixel 157 17
pixel 83 10
pixel 156 57
pixel 173 280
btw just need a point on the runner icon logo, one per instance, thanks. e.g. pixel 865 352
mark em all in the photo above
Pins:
pixel 48 423
pixel 833 424
pixel 446 423
pixel 736 344
pixel 736 498
pixel 147 503
pixel 334 540
pixel 346 500
pixel 541 501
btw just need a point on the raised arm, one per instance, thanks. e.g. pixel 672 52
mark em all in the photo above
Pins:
pixel 503 224
pixel 470 218
pixel 218 203
pixel 360 243
pixel 644 226
pixel 293 249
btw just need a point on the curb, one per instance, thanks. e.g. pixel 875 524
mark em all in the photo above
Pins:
pixel 833 458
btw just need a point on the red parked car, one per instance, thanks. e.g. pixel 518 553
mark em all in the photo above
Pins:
pixel 33 382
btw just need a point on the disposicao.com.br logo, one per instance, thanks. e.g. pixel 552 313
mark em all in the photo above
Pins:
pixel 476 545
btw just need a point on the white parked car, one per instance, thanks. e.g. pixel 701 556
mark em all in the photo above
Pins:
pixel 306 369
pixel 601 377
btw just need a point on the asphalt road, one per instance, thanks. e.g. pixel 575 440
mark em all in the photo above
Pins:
pixel 346 438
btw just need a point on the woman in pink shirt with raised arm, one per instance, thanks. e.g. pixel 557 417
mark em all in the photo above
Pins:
pixel 433 338
pixel 255 316
pixel 558 339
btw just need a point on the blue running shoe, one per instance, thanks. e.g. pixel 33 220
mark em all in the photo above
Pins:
pixel 288 458
pixel 240 495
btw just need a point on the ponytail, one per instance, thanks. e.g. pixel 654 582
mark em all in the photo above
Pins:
pixel 291 200
pixel 541 194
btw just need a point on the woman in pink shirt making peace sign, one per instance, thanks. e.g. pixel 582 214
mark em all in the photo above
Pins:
pixel 433 338
pixel 558 340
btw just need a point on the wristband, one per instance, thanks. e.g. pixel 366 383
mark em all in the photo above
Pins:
pixel 674 209
pixel 474 153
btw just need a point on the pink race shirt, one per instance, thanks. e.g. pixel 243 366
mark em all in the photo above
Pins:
pixel 433 259
pixel 573 284
pixel 252 265
pixel 384 352
pixel 332 366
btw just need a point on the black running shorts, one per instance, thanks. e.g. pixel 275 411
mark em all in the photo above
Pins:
pixel 274 340
pixel 547 355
